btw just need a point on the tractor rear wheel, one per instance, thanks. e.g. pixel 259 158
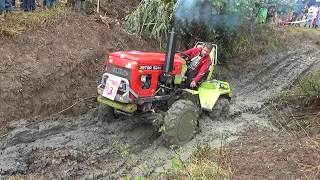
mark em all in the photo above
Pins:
pixel 220 109
pixel 106 113
pixel 180 123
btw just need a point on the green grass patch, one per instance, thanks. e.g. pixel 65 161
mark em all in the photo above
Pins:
pixel 205 163
pixel 306 93
pixel 255 40
pixel 304 100
pixel 17 22
pixel 301 32
pixel 252 41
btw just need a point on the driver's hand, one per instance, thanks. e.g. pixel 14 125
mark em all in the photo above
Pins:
pixel 192 84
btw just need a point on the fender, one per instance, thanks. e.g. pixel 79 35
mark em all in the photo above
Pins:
pixel 209 92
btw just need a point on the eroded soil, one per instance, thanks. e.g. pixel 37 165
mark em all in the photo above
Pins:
pixel 284 155
pixel 45 72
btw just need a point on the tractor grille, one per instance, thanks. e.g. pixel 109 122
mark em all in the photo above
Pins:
pixel 119 71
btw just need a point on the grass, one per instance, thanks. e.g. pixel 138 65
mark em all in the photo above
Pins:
pixel 306 93
pixel 151 19
pixel 251 42
pixel 304 99
pixel 206 164
pixel 17 22
pixel 254 41
pixel 302 32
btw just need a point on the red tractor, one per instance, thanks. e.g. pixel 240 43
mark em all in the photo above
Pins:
pixel 144 83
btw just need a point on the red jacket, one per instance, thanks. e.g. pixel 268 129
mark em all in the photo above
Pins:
pixel 203 65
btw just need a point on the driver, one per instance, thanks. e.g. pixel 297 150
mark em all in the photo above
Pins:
pixel 199 64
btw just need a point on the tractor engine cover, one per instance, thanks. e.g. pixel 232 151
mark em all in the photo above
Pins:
pixel 142 70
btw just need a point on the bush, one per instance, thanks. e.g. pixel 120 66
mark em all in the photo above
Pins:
pixel 306 94
pixel 151 19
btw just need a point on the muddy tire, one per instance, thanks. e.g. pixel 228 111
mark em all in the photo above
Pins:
pixel 180 123
pixel 106 113
pixel 220 109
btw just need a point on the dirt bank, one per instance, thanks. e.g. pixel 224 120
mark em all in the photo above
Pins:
pixel 83 147
pixel 45 72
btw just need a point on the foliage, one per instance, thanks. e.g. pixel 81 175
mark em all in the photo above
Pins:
pixel 253 41
pixel 224 22
pixel 228 23
pixel 151 19
pixel 307 93
pixel 204 163
pixel 17 22
pixel 304 98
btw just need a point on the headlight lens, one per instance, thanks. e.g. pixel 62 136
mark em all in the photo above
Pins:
pixel 143 78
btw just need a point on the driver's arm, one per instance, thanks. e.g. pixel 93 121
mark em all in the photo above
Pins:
pixel 191 52
pixel 202 71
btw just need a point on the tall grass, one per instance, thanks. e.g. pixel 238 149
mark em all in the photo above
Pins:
pixel 304 99
pixel 151 19
pixel 206 163
pixel 17 22
pixel 306 93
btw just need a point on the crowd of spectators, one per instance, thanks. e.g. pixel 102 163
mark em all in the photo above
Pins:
pixel 295 14
pixel 6 6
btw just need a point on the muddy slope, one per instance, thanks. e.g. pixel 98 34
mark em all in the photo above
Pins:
pixel 80 147
pixel 45 72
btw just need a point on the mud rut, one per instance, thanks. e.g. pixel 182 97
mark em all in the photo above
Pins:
pixel 83 147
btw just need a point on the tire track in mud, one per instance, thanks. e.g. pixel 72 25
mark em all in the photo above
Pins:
pixel 279 73
pixel 82 147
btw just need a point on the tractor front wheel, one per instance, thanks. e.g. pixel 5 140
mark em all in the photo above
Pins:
pixel 106 113
pixel 180 123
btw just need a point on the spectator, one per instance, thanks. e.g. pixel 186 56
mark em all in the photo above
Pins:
pixel 297 9
pixel 39 3
pixel 271 14
pixel 81 6
pixel 8 5
pixel 2 8
pixel 16 4
pixel 318 19
pixel 316 15
pixel 29 5
pixel 281 11
pixel 262 14
pixel 51 3
pixel 312 13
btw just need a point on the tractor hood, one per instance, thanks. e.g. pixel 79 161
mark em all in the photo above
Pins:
pixel 145 58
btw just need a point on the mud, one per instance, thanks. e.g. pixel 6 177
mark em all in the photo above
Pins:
pixel 84 148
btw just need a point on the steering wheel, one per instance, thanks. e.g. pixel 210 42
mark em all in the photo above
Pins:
pixel 185 56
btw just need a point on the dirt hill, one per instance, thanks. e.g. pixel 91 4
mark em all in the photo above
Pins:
pixel 46 71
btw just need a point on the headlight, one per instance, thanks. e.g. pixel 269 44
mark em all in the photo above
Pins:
pixel 143 78
pixel 218 85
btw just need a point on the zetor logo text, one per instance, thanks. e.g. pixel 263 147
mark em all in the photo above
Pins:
pixel 120 71
pixel 150 67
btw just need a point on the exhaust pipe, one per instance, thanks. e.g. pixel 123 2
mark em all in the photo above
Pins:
pixel 171 46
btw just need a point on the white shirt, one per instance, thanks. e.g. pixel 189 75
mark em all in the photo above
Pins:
pixel 313 11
